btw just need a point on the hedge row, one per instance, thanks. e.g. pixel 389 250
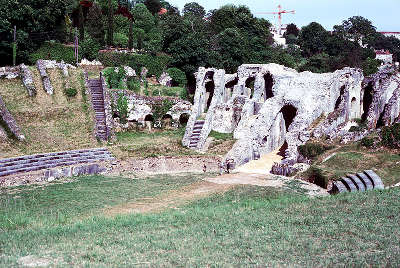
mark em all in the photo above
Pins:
pixel 54 51
pixel 155 64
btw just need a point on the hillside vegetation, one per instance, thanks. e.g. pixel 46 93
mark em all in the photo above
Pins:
pixel 49 123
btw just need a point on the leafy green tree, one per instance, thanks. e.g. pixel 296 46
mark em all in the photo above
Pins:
pixel 190 52
pixel 312 39
pixel 36 22
pixel 318 63
pixel 292 29
pixel 110 23
pixel 357 28
pixel 153 6
pixel 194 9
pixel 370 66
pixel 94 24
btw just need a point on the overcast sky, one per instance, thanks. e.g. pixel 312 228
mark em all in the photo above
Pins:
pixel 384 14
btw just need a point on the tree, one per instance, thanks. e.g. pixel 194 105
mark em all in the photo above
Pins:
pixel 110 21
pixel 36 22
pixel 312 39
pixel 153 6
pixel 94 28
pixel 357 28
pixel 194 9
pixel 292 29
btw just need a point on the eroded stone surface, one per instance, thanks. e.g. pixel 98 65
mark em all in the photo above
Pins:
pixel 269 106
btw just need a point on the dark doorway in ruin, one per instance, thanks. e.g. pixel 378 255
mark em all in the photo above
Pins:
pixel 149 117
pixel 282 150
pixel 183 119
pixel 191 84
pixel 210 87
pixel 269 82
pixel 289 112
pixel 367 100
pixel 167 120
pixel 339 99
pixel 250 84
pixel 230 85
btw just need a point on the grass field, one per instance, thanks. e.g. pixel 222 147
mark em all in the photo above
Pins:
pixel 65 225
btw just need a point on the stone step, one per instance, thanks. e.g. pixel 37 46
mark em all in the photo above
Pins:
pixel 340 187
pixel 35 161
pixel 376 180
pixel 357 182
pixel 367 181
pixel 349 184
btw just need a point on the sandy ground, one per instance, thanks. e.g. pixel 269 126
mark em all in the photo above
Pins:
pixel 261 166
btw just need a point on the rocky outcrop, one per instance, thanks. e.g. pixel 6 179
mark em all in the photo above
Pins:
pixel 45 78
pixel 27 80
pixel 269 106
pixel 10 122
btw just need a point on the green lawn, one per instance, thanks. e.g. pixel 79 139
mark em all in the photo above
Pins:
pixel 248 225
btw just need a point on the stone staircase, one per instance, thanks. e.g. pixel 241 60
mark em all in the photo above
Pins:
pixel 367 180
pixel 195 137
pixel 96 89
pixel 29 163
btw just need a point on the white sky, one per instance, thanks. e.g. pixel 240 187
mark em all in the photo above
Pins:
pixel 384 14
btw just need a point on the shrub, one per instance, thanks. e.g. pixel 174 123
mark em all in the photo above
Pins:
pixel 362 125
pixel 178 77
pixel 122 107
pixel 90 48
pixel 113 78
pixel 367 142
pixel 54 51
pixel 312 150
pixel 133 84
pixel 391 136
pixel 70 92
pixel 159 110
pixel 155 64
pixel 121 40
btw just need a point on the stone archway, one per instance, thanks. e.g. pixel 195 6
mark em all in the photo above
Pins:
pixel 183 119
pixel 210 87
pixel 250 84
pixel 367 100
pixel 289 112
pixel 269 82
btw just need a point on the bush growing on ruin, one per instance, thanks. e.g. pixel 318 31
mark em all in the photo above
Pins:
pixel 54 51
pixel 133 84
pixel 122 107
pixel 89 48
pixel 178 77
pixel 391 136
pixel 114 76
pixel 70 92
pixel 312 150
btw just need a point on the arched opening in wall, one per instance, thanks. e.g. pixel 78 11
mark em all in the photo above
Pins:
pixel 282 150
pixel 191 84
pixel 269 82
pixel 210 87
pixel 149 118
pixel 183 119
pixel 367 100
pixel 167 120
pixel 289 112
pixel 250 84
pixel 353 107
pixel 230 85
pixel 339 99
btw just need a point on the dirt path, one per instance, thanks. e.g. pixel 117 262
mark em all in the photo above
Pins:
pixel 206 188
pixel 261 166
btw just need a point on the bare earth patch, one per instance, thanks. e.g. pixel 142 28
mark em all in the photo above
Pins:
pixel 169 200
pixel 33 261
pixel 208 187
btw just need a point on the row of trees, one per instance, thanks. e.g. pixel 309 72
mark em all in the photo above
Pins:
pixel 224 38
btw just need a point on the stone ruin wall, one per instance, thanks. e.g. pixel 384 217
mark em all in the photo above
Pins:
pixel 267 106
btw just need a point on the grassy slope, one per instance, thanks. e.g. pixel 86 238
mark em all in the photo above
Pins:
pixel 355 158
pixel 50 123
pixel 163 143
pixel 248 225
